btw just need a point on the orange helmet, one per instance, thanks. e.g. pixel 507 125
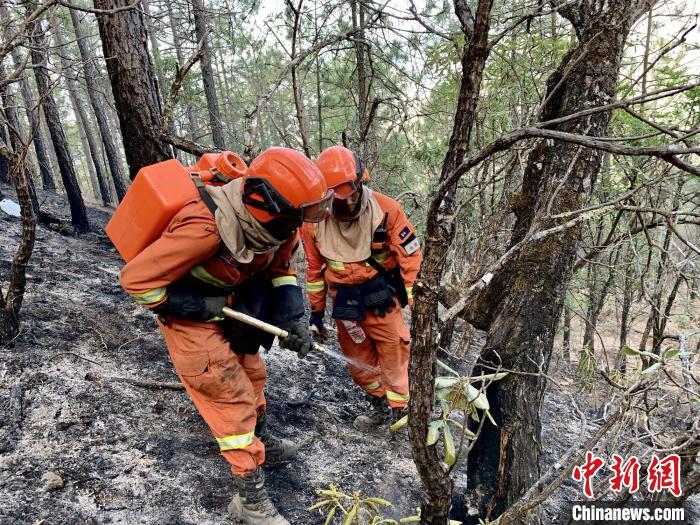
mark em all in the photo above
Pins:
pixel 283 183
pixel 343 170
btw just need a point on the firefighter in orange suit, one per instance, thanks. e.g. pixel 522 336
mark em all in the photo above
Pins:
pixel 367 255
pixel 234 245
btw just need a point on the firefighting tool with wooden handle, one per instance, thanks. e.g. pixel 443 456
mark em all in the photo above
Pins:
pixel 265 327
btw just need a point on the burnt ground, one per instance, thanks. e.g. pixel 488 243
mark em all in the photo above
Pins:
pixel 133 454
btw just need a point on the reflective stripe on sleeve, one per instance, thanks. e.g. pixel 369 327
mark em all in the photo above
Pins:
pixel 200 273
pixel 394 396
pixel 235 441
pixel 335 265
pixel 315 286
pixel 284 280
pixel 372 386
pixel 149 297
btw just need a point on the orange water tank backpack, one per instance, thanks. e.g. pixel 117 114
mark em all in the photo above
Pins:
pixel 159 191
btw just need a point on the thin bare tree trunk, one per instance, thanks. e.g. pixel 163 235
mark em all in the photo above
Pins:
pixel 200 24
pixel 93 90
pixel 437 484
pixel 177 41
pixel 69 177
pixel 566 342
pixel 296 86
pixel 93 149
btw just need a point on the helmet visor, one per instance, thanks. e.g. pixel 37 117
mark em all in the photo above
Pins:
pixel 319 210
pixel 344 190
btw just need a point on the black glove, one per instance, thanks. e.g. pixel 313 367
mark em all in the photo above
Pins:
pixel 383 309
pixel 316 321
pixel 298 340
pixel 182 302
pixel 214 306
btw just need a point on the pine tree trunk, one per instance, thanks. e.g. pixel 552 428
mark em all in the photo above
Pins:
pixel 134 85
pixel 177 41
pixel 93 91
pixel 60 144
pixel 437 484
pixel 200 24
pixel 42 157
pixel 521 306
pixel 93 149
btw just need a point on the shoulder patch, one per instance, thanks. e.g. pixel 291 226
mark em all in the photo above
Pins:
pixel 404 232
pixel 411 244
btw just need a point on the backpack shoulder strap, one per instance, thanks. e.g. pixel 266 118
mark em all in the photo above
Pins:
pixel 205 196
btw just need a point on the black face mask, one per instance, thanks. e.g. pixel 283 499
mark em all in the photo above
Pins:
pixel 282 228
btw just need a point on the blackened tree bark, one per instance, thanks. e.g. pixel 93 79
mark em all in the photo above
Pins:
pixel 82 117
pixel 134 84
pixel 521 306
pixel 200 25
pixel 437 484
pixel 53 120
pixel 11 302
pixel 98 108
pixel 4 166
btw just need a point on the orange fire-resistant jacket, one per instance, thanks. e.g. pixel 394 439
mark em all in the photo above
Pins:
pixel 190 251
pixel 400 248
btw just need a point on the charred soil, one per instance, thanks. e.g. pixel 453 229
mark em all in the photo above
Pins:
pixel 96 431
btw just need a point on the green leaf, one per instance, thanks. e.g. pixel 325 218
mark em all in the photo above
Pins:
pixel 330 516
pixel 672 353
pixel 488 415
pixel 446 382
pixel 447 368
pixel 650 355
pixel 410 519
pixel 629 351
pixel 380 501
pixel 489 377
pixel 399 424
pixel 350 515
pixel 319 504
pixel 477 398
pixel 434 431
pixel 652 369
pixel 442 393
pixel 450 452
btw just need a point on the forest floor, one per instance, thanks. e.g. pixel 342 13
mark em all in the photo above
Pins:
pixel 81 444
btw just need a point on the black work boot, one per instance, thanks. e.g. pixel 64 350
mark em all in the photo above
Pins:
pixel 277 450
pixel 252 505
pixel 377 416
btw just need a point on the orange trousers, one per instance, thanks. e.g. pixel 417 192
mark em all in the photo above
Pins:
pixel 379 365
pixel 226 388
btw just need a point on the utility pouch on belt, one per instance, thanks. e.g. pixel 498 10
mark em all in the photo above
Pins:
pixel 393 279
pixel 252 298
pixel 348 304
